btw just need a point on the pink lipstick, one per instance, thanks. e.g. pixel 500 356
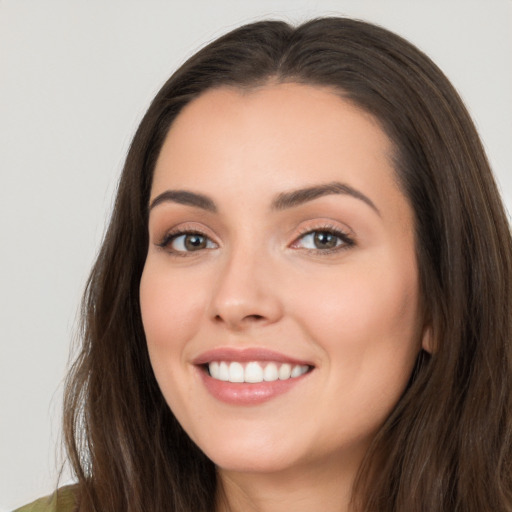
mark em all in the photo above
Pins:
pixel 249 376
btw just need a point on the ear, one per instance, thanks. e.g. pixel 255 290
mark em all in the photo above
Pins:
pixel 427 339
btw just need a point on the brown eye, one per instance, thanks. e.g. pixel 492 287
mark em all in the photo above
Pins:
pixel 194 242
pixel 190 242
pixel 325 240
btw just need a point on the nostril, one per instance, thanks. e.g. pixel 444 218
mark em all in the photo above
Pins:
pixel 246 318
pixel 254 317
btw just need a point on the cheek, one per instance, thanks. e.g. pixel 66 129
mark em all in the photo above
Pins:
pixel 376 308
pixel 366 316
pixel 170 308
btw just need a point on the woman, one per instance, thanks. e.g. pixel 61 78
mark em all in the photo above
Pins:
pixel 303 299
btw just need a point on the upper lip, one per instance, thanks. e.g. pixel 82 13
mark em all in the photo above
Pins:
pixel 246 355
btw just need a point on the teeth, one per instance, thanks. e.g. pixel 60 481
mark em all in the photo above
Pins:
pixel 285 371
pixel 214 369
pixel 270 373
pixel 296 372
pixel 236 372
pixel 254 371
pixel 223 371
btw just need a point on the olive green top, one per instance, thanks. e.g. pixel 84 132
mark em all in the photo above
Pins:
pixel 63 500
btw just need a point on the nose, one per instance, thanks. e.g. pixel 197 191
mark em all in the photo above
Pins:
pixel 246 294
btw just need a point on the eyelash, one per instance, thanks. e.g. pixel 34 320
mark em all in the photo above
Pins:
pixel 170 237
pixel 346 241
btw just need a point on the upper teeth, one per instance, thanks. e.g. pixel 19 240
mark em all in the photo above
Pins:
pixel 254 372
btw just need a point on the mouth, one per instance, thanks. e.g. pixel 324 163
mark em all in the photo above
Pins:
pixel 250 376
pixel 254 372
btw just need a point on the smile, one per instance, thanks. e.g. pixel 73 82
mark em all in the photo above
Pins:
pixel 250 376
pixel 255 371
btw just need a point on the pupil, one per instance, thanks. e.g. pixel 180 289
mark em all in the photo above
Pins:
pixel 193 242
pixel 325 240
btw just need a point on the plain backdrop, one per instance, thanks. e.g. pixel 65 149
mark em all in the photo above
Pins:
pixel 75 79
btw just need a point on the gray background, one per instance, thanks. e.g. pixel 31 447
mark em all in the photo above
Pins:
pixel 75 78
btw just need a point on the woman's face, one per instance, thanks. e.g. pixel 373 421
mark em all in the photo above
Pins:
pixel 280 295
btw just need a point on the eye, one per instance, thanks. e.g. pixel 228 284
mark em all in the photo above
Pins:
pixel 187 242
pixel 324 240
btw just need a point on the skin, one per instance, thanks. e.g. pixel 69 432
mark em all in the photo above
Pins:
pixel 353 313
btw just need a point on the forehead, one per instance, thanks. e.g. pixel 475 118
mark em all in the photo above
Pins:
pixel 287 110
pixel 273 138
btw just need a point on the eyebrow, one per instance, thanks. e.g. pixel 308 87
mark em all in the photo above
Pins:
pixel 184 197
pixel 304 195
pixel 282 201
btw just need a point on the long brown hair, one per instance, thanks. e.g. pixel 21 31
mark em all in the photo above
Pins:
pixel 447 444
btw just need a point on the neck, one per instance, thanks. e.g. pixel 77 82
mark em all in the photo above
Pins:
pixel 299 489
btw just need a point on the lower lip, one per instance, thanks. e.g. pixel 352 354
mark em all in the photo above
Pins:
pixel 244 393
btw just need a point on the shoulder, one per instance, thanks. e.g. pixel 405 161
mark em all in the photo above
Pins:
pixel 62 500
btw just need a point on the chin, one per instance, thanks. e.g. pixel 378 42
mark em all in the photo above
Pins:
pixel 253 463
pixel 254 454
